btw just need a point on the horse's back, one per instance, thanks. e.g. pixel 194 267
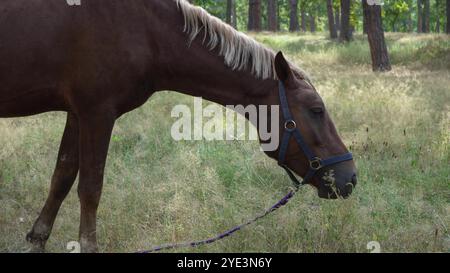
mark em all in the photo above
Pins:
pixel 50 50
pixel 32 44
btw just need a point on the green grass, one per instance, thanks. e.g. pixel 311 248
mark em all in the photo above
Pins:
pixel 158 190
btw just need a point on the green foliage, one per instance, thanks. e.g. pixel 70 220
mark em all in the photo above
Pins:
pixel 398 15
pixel 356 14
pixel 215 7
pixel 396 11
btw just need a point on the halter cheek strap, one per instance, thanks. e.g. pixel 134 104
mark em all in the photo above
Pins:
pixel 291 130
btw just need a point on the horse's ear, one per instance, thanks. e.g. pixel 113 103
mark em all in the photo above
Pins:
pixel 282 68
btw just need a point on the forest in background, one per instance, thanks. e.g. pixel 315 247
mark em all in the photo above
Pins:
pixel 420 16
pixel 342 19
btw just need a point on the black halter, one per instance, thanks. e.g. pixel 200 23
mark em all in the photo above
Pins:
pixel 290 129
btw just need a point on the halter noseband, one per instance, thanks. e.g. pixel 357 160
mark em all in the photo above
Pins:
pixel 291 129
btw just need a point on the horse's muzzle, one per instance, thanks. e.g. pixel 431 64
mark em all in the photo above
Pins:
pixel 339 188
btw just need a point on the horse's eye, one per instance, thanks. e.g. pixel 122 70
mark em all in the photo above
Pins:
pixel 317 110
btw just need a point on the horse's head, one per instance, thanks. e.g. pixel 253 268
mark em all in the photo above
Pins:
pixel 330 172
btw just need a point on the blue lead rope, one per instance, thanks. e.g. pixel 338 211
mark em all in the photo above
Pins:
pixel 315 164
pixel 227 233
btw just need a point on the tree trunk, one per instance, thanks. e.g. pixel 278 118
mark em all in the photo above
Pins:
pixel 254 15
pixel 419 17
pixel 331 24
pixel 303 23
pixel 438 20
pixel 312 23
pixel 410 20
pixel 234 15
pixel 375 34
pixel 364 18
pixel 337 18
pixel 229 16
pixel 278 16
pixel 447 26
pixel 293 22
pixel 345 35
pixel 394 23
pixel 272 20
pixel 426 17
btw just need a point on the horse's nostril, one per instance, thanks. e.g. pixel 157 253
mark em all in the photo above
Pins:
pixel 354 180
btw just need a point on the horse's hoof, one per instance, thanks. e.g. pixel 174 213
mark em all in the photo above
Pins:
pixel 35 249
pixel 89 249
pixel 37 242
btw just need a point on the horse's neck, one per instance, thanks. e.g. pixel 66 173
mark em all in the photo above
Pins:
pixel 195 70
pixel 202 73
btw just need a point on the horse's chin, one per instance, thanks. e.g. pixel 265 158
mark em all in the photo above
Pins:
pixel 326 194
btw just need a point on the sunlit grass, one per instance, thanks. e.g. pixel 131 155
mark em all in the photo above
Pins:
pixel 158 190
pixel 425 50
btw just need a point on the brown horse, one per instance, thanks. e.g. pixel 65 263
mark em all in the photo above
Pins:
pixel 102 59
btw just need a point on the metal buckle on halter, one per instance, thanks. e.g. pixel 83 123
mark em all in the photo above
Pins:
pixel 290 125
pixel 315 164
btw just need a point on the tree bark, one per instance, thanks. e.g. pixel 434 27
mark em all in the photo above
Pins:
pixel 375 34
pixel 278 16
pixel 254 15
pixel 426 17
pixel 447 26
pixel 234 15
pixel 438 20
pixel 331 24
pixel 229 16
pixel 345 35
pixel 312 23
pixel 410 20
pixel 419 17
pixel 293 22
pixel 303 15
pixel 337 18
pixel 272 18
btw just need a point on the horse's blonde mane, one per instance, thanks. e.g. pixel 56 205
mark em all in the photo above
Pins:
pixel 239 51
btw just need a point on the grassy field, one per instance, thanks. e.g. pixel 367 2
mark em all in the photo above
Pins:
pixel 158 190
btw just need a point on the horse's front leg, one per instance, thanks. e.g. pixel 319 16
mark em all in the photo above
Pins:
pixel 63 178
pixel 95 134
